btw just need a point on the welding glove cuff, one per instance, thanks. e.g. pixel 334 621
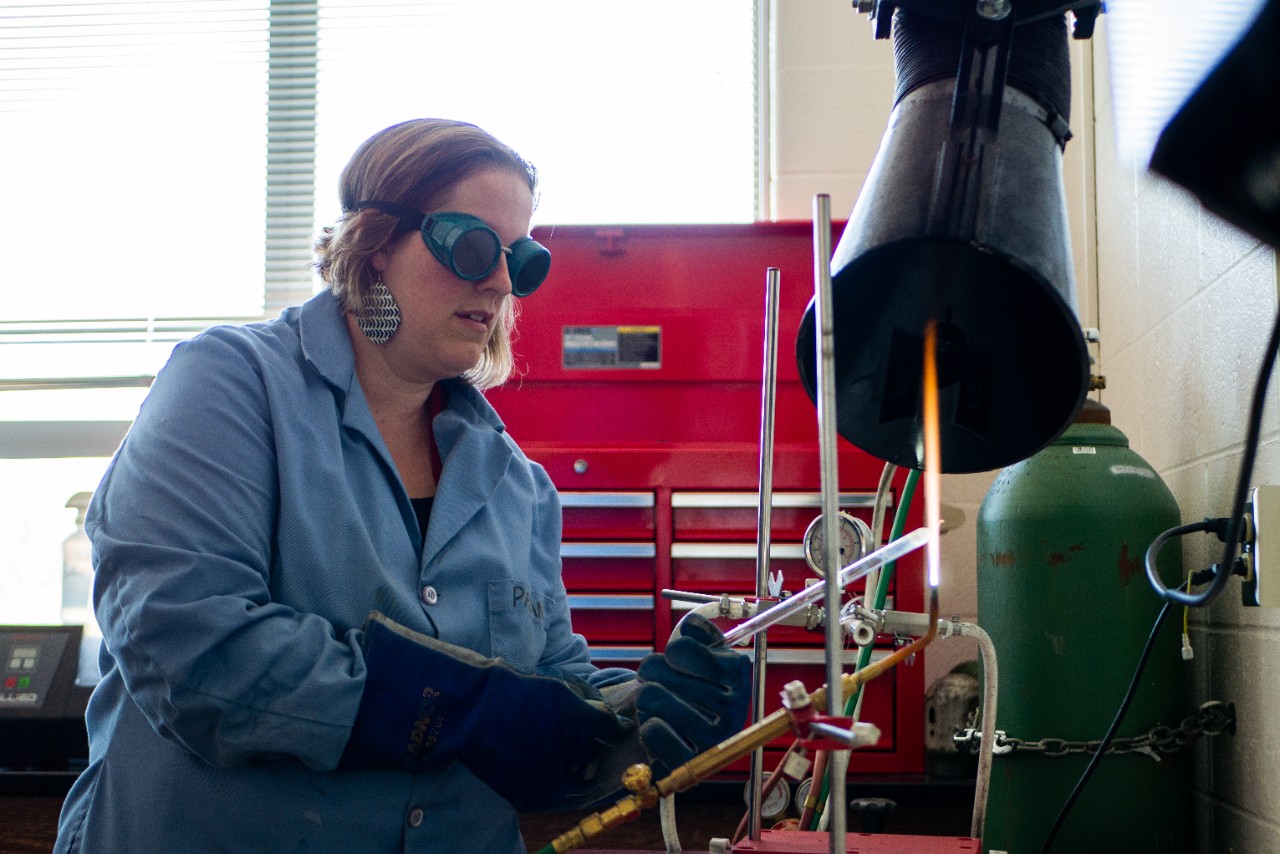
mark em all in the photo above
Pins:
pixel 695 694
pixel 533 739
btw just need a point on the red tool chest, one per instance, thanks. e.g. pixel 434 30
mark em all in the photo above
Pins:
pixel 638 387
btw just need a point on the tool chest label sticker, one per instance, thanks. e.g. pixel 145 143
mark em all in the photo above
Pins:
pixel 633 347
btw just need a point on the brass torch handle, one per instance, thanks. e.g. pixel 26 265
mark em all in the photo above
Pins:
pixel 731 749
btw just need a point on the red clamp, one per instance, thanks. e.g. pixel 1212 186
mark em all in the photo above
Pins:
pixel 804 716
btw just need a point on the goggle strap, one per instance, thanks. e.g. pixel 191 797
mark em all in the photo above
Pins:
pixel 410 219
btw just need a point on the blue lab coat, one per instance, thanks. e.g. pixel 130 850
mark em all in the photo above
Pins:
pixel 248 524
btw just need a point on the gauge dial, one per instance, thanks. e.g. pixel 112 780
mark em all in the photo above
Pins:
pixel 854 542
pixel 802 792
pixel 776 804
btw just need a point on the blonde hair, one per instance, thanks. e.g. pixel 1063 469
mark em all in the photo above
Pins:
pixel 413 163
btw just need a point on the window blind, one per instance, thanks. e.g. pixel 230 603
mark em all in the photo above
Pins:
pixel 173 159
pixel 165 164
pixel 131 137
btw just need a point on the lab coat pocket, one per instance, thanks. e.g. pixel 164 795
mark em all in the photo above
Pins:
pixel 517 631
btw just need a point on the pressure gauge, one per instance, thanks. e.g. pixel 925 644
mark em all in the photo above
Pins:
pixel 854 538
pixel 802 793
pixel 776 804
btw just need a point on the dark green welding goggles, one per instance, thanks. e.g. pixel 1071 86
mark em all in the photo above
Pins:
pixel 469 247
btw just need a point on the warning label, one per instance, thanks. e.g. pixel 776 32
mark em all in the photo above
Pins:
pixel 595 347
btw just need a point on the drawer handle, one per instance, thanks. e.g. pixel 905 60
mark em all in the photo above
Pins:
pixel 618 653
pixel 735 550
pixel 606 499
pixel 780 499
pixel 612 550
pixel 689 605
pixel 611 603
pixel 816 656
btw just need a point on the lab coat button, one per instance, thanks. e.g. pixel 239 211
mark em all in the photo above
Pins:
pixel 415 817
pixel 429 595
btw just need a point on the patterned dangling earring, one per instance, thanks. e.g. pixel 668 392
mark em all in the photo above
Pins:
pixel 379 317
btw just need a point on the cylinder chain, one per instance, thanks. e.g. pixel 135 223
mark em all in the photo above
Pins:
pixel 1212 718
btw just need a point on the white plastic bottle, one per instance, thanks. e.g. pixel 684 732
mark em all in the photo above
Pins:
pixel 77 567
pixel 77 591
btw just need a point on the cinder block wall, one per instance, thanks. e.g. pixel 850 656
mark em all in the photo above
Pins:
pixel 1184 303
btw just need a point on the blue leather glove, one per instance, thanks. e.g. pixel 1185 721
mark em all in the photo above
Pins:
pixel 533 739
pixel 696 694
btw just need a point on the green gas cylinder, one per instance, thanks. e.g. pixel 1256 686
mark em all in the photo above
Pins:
pixel 1062 592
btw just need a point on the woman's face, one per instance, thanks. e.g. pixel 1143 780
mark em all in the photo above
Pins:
pixel 446 321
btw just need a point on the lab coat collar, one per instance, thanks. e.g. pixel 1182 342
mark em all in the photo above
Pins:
pixel 476 455
pixel 469 433
pixel 326 344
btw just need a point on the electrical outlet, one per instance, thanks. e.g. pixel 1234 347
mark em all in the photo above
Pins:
pixel 1264 507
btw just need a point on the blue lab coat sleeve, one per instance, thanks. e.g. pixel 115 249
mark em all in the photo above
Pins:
pixel 182 530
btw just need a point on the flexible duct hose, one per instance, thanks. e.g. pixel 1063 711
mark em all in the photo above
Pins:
pixel 927 49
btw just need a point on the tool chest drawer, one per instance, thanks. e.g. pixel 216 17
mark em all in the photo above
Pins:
pixel 731 568
pixel 734 516
pixel 601 566
pixel 613 618
pixel 608 515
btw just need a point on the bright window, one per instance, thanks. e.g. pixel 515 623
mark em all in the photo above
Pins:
pixel 633 112
pixel 165 165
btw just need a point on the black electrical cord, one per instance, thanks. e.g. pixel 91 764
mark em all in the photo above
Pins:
pixel 1111 732
pixel 1220 526
pixel 1236 519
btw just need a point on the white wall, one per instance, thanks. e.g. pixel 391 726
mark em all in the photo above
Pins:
pixel 1184 303
pixel 1187 303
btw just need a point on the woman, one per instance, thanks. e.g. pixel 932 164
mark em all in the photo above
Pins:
pixel 327 579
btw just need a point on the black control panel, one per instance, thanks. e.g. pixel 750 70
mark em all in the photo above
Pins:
pixel 41 707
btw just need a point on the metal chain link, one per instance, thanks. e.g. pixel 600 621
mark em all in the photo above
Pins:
pixel 1212 718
